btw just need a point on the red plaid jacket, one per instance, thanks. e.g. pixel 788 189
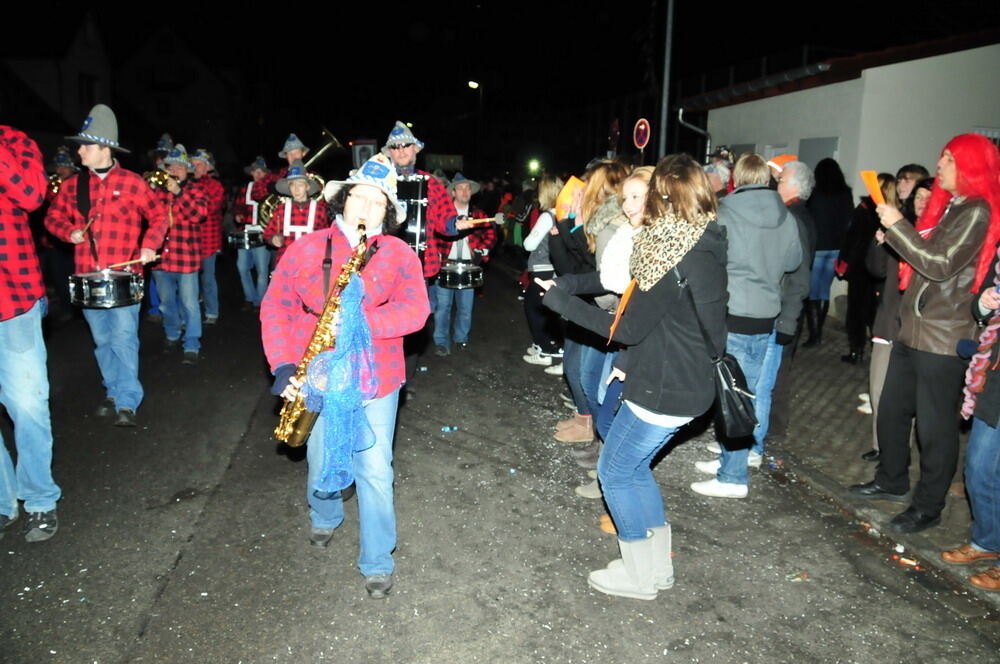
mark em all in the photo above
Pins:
pixel 300 218
pixel 214 194
pixel 240 207
pixel 481 236
pixel 118 203
pixel 440 215
pixel 22 189
pixel 262 187
pixel 395 301
pixel 182 250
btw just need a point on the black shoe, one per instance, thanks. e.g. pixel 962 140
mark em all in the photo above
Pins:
pixel 871 455
pixel 853 357
pixel 872 491
pixel 190 357
pixel 321 537
pixel 462 345
pixel 442 351
pixel 378 585
pixel 106 408
pixel 170 345
pixel 6 521
pixel 912 521
pixel 40 526
pixel 211 320
pixel 125 418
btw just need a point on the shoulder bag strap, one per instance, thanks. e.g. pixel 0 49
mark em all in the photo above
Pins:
pixel 709 344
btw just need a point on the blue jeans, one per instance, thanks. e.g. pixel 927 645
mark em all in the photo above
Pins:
pixel 259 259
pixel 443 299
pixel 627 482
pixel 209 286
pixel 982 484
pixel 751 351
pixel 572 351
pixel 591 369
pixel 373 479
pixel 116 337
pixel 183 286
pixel 822 274
pixel 763 390
pixel 605 416
pixel 24 392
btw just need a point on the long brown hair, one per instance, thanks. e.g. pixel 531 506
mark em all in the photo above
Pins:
pixel 679 185
pixel 604 179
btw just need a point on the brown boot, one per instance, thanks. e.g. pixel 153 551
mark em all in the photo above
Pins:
pixel 581 431
pixel 576 419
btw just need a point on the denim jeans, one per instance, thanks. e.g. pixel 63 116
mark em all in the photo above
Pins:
pixel 154 297
pixel 209 286
pixel 822 274
pixel 116 337
pixel 572 351
pixel 627 482
pixel 373 479
pixel 258 259
pixel 443 299
pixel 183 286
pixel 763 390
pixel 591 367
pixel 751 351
pixel 982 484
pixel 605 416
pixel 24 392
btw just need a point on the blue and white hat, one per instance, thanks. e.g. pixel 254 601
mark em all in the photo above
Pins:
pixel 293 143
pixel 100 127
pixel 296 172
pixel 401 135
pixel 204 155
pixel 378 171
pixel 178 156
pixel 63 159
pixel 259 164
pixel 459 179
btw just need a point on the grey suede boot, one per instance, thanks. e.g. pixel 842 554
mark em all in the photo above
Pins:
pixel 663 562
pixel 634 577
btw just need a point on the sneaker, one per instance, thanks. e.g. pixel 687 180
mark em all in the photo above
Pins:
pixel 539 359
pixel 170 345
pixel 533 349
pixel 442 351
pixel 713 447
pixel 592 474
pixel 106 408
pixel 566 397
pixel 591 490
pixel 557 354
pixel 554 370
pixel 125 418
pixel 190 357
pixel 40 526
pixel 865 408
pixel 320 537
pixel 462 345
pixel 712 467
pixel 717 489
pixel 6 521
pixel 211 320
pixel 378 585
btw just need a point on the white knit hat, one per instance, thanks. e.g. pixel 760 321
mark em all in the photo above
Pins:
pixel 377 172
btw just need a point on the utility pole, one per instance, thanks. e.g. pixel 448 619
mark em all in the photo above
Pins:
pixel 661 144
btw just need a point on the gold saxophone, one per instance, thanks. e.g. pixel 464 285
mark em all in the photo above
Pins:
pixel 156 178
pixel 296 422
pixel 55 182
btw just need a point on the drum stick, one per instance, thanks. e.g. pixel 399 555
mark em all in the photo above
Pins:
pixel 132 262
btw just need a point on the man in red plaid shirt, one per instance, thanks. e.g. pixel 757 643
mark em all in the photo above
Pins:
pixel 177 272
pixel 110 233
pixel 298 213
pixel 24 379
pixel 394 304
pixel 214 194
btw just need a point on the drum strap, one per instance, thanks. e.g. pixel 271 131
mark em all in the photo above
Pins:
pixel 328 265
pixel 83 204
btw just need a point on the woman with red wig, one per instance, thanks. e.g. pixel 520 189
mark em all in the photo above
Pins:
pixel 945 258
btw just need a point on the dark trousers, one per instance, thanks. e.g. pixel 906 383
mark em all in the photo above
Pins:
pixel 928 387
pixel 543 323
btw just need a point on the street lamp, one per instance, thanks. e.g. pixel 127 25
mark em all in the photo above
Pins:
pixel 533 166
pixel 474 85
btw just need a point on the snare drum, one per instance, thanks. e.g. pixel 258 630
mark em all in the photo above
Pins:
pixel 459 276
pixel 246 239
pixel 411 192
pixel 106 289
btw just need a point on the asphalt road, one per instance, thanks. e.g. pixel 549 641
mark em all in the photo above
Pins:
pixel 184 540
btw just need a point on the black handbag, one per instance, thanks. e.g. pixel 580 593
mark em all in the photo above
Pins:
pixel 734 410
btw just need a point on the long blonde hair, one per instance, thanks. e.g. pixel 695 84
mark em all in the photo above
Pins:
pixel 548 189
pixel 604 180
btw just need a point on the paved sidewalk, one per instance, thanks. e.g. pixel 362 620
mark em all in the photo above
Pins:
pixel 823 446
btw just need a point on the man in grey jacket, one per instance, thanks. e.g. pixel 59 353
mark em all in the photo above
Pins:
pixel 764 244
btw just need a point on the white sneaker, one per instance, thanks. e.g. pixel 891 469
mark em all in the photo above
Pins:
pixel 539 359
pixel 865 408
pixel 590 490
pixel 754 460
pixel 533 349
pixel 714 447
pixel 712 467
pixel 554 370
pixel 717 489
pixel 864 396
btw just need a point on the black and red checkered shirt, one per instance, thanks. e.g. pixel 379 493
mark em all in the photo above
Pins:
pixel 118 204
pixel 297 223
pixel 22 189
pixel 214 194
pixel 481 237
pixel 182 250
pixel 440 213
pixel 263 187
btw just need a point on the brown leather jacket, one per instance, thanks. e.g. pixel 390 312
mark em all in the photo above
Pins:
pixel 934 312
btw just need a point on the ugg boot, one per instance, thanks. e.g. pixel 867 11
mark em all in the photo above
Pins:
pixel 663 562
pixel 634 578
pixel 576 419
pixel 581 431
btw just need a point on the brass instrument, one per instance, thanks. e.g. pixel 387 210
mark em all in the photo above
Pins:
pixel 296 422
pixel 156 178
pixel 270 204
pixel 54 183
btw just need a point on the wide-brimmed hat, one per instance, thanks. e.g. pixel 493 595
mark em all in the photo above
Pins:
pixel 178 156
pixel 204 155
pixel 377 172
pixel 401 135
pixel 296 172
pixel 293 143
pixel 460 179
pixel 100 127
pixel 258 164
pixel 63 158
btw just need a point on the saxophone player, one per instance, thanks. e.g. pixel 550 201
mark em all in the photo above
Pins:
pixel 394 304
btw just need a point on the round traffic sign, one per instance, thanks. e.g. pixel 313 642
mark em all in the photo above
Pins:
pixel 641 133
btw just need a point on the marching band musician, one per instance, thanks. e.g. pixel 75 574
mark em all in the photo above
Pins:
pixel 471 244
pixel 176 273
pixel 293 150
pixel 298 213
pixel 24 382
pixel 104 221
pixel 56 256
pixel 394 304
pixel 245 218
pixel 214 194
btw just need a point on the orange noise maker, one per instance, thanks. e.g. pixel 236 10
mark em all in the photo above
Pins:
pixel 564 201
pixel 870 178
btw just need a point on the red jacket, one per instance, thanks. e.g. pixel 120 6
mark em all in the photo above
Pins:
pixel 395 301
pixel 440 214
pixel 22 189
pixel 182 250
pixel 298 222
pixel 118 204
pixel 481 236
pixel 214 194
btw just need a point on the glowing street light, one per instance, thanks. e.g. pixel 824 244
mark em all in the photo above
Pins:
pixel 474 85
pixel 533 166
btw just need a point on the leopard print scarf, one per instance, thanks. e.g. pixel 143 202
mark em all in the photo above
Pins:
pixel 661 246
